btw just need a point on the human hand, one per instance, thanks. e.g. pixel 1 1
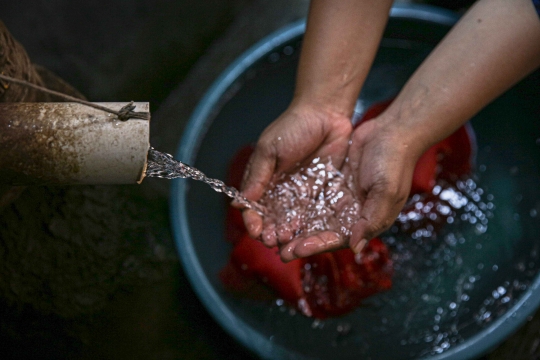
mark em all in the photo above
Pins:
pixel 381 161
pixel 301 133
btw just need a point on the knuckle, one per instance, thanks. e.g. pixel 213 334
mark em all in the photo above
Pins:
pixel 266 147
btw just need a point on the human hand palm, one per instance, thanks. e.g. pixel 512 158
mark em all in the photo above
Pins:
pixel 292 140
pixel 381 165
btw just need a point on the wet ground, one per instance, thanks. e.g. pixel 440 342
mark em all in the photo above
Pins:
pixel 166 53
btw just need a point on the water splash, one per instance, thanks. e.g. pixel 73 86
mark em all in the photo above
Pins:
pixel 314 199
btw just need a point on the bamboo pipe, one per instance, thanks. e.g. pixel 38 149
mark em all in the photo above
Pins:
pixel 70 143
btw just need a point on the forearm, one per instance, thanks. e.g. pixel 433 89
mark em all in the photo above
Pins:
pixel 341 40
pixel 496 44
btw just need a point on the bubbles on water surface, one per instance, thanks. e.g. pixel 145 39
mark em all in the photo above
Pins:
pixel 438 246
pixel 451 276
pixel 444 285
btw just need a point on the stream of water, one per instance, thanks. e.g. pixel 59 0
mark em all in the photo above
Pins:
pixel 163 165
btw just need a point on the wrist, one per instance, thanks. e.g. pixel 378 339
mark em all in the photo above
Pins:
pixel 334 110
pixel 405 135
pixel 421 116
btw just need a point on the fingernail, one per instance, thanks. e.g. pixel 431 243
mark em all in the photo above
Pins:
pixel 287 253
pixel 359 246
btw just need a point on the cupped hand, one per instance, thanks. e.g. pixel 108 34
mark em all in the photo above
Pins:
pixel 301 133
pixel 381 161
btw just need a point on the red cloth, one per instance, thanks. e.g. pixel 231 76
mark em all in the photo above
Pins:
pixel 252 264
pixel 336 283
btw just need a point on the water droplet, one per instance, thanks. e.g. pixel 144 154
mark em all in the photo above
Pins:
pixel 344 328
pixel 273 57
pixel 292 311
pixel 288 50
pixel 533 212
pixel 480 229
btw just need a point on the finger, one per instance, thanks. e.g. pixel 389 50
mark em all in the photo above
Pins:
pixel 259 171
pixel 285 233
pixel 316 244
pixel 269 235
pixel 253 222
pixel 377 215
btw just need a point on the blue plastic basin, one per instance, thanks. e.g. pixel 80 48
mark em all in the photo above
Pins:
pixel 463 294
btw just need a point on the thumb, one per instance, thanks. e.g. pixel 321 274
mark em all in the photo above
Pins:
pixel 258 172
pixel 377 214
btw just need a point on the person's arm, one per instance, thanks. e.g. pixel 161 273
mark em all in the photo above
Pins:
pixel 492 47
pixel 496 44
pixel 340 43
